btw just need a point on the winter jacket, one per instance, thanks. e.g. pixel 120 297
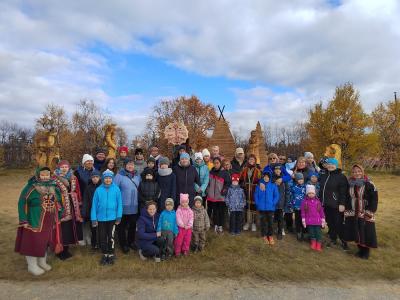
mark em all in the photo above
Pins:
pixel 298 193
pixel 218 186
pixel 284 195
pixel 289 205
pixel 249 179
pixel 334 188
pixel 120 163
pixel 204 175
pixel 84 176
pixel 235 198
pixel 201 221
pixel 266 200
pixel 107 203
pixel 146 229
pixel 167 222
pixel 237 167
pixel 129 185
pixel 167 183
pixel 285 175
pixel 312 211
pixel 149 190
pixel 88 200
pixel 184 216
pixel 186 177
pixel 140 165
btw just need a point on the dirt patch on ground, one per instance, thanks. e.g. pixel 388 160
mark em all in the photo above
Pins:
pixel 198 289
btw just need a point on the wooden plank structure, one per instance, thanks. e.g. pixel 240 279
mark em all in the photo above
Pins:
pixel 222 137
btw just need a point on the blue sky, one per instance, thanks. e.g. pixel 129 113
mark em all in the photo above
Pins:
pixel 266 61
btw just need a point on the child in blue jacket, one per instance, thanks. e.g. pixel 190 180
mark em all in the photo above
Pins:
pixel 105 214
pixel 266 201
pixel 298 194
pixel 167 227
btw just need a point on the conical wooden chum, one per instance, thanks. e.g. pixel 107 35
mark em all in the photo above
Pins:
pixel 257 146
pixel 223 138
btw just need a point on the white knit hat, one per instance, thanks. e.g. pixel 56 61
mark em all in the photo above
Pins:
pixel 198 155
pixel 205 152
pixel 308 155
pixel 86 157
pixel 310 189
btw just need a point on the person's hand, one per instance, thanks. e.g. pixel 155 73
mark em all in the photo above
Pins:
pixel 117 222
pixel 158 234
pixel 94 223
pixel 341 208
pixel 262 187
pixel 323 223
pixel 187 227
pixel 199 190
pixel 25 225
pixel 304 223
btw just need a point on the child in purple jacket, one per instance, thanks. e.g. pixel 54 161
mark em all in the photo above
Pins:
pixel 313 217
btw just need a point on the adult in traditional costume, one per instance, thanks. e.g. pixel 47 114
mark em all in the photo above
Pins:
pixel 40 209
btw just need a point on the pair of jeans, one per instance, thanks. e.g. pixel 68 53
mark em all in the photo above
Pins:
pixel 235 221
pixel 314 232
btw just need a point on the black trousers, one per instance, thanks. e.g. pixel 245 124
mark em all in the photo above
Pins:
pixel 266 220
pixel 156 249
pixel 334 219
pixel 93 238
pixel 127 230
pixel 106 236
pixel 289 221
pixel 235 221
pixel 278 217
pixel 298 222
pixel 216 210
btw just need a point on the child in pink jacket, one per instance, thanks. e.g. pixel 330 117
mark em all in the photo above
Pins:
pixel 313 217
pixel 184 219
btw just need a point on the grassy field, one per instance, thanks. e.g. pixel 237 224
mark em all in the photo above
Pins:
pixel 224 257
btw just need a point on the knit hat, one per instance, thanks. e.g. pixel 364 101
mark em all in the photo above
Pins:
pixel 100 150
pixel 267 173
pixel 205 152
pixel 184 155
pixel 138 151
pixel 276 166
pixel 198 198
pixel 311 174
pixel 163 161
pixel 151 159
pixel 127 161
pixel 169 201
pixel 239 150
pixel 86 157
pixel 95 172
pixel 184 198
pixel 198 155
pixel 123 148
pixel 235 177
pixel 148 171
pixel 310 189
pixel 332 161
pixel 108 173
pixel 298 176
pixel 63 163
pixel 308 155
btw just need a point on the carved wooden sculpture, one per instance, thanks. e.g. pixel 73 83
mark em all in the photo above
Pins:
pixel 110 140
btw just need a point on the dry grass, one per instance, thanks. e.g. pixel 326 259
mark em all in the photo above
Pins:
pixel 225 256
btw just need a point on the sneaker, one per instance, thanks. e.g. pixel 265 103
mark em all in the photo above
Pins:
pixel 125 249
pixel 299 236
pixel 253 227
pixel 142 257
pixel 271 240
pixel 246 226
pixel 220 229
pixel 345 247
pixel 157 259
pixel 216 228
pixel 185 253
pixel 283 232
pixel 111 260
pixel 104 260
pixel 82 243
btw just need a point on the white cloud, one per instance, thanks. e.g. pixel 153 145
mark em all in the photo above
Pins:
pixel 308 46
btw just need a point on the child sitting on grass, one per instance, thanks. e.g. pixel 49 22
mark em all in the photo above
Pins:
pixel 236 201
pixel 313 217
pixel 266 203
pixel 184 219
pixel 167 227
pixel 105 214
pixel 201 224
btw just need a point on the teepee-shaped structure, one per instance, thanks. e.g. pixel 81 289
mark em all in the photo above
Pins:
pixel 223 138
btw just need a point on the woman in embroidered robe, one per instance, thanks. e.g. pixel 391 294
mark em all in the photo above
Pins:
pixel 361 206
pixel 39 210
pixel 71 220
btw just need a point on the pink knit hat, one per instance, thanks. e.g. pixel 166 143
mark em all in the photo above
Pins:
pixel 310 189
pixel 184 198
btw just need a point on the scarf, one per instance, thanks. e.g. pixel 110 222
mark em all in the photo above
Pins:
pixel 164 172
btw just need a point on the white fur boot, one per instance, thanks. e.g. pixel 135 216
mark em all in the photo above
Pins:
pixel 33 267
pixel 43 264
